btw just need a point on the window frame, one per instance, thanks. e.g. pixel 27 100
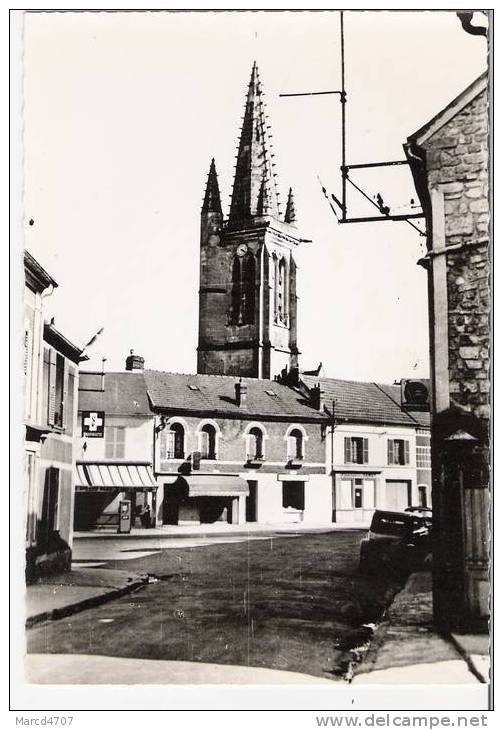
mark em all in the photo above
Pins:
pixel 354 448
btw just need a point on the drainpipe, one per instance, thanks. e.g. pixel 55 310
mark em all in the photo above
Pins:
pixel 332 472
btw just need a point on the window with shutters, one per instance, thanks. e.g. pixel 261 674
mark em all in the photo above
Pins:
pixel 175 441
pixel 398 452
pixel 55 377
pixel 356 450
pixel 207 442
pixel 115 442
pixel 255 444
pixel 295 444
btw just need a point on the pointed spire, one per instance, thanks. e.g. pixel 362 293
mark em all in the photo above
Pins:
pixel 212 203
pixel 291 213
pixel 263 202
pixel 254 189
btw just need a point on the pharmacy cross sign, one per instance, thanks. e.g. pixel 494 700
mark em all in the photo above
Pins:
pixel 93 424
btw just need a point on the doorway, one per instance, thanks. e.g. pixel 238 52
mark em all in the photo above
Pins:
pixel 251 502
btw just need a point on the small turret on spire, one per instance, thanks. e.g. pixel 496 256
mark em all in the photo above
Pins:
pixel 254 183
pixel 212 202
pixel 290 213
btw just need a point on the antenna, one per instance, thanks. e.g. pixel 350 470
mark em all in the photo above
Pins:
pixel 384 210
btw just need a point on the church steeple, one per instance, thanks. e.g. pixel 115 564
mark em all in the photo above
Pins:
pixel 212 202
pixel 291 212
pixel 254 185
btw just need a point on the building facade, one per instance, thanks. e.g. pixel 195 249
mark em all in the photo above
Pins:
pixel 117 465
pixel 247 294
pixel 372 448
pixel 449 158
pixel 51 364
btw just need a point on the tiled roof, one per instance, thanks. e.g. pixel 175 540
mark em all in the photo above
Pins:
pixel 125 394
pixel 364 402
pixel 216 394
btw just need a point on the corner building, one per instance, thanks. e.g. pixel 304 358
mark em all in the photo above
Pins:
pixel 247 295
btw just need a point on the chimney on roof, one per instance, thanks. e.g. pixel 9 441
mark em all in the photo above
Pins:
pixel 318 397
pixel 134 362
pixel 241 393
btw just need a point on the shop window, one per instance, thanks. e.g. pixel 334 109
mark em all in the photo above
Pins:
pixel 293 495
pixel 175 441
pixel 255 444
pixel 356 450
pixel 398 452
pixel 115 442
pixel 208 437
pixel 295 444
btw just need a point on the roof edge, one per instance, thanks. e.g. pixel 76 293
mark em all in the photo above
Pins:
pixel 450 110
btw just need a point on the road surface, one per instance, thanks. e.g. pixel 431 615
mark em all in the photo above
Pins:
pixel 294 603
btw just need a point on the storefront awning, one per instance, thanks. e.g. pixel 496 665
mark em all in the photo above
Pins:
pixel 213 485
pixel 101 476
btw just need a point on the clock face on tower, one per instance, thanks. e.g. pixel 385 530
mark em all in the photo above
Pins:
pixel 242 249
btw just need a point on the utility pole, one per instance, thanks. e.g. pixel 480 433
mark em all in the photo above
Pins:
pixel 333 424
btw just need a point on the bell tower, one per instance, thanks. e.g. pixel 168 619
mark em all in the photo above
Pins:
pixel 247 294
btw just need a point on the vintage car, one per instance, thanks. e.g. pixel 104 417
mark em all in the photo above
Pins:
pixel 397 542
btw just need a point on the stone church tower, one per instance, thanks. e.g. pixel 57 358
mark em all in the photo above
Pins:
pixel 247 295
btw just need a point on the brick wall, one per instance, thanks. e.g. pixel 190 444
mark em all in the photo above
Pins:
pixel 232 445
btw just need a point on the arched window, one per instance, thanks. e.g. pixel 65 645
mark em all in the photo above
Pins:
pixel 243 289
pixel 255 443
pixel 248 288
pixel 236 288
pixel 282 291
pixel 295 444
pixel 208 440
pixel 175 441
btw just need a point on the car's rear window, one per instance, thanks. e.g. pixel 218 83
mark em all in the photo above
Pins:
pixel 390 524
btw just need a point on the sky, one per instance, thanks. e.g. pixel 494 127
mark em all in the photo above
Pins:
pixel 122 115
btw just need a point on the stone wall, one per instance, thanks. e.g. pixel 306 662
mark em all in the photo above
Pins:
pixel 457 162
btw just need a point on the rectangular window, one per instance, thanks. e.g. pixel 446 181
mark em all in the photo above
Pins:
pixel 115 442
pixel 54 363
pixel 423 457
pixel 293 495
pixel 356 450
pixel 398 452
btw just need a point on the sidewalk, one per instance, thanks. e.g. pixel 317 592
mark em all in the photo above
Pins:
pixel 66 593
pixel 219 529
pixel 406 649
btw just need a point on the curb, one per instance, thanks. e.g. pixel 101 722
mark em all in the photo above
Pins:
pixel 466 657
pixel 82 605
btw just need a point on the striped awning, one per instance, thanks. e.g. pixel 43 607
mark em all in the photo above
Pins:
pixel 213 485
pixel 118 475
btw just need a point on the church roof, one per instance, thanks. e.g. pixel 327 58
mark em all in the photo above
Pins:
pixel 366 402
pixel 254 192
pixel 216 394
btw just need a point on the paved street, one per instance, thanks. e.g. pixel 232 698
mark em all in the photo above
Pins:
pixel 291 602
